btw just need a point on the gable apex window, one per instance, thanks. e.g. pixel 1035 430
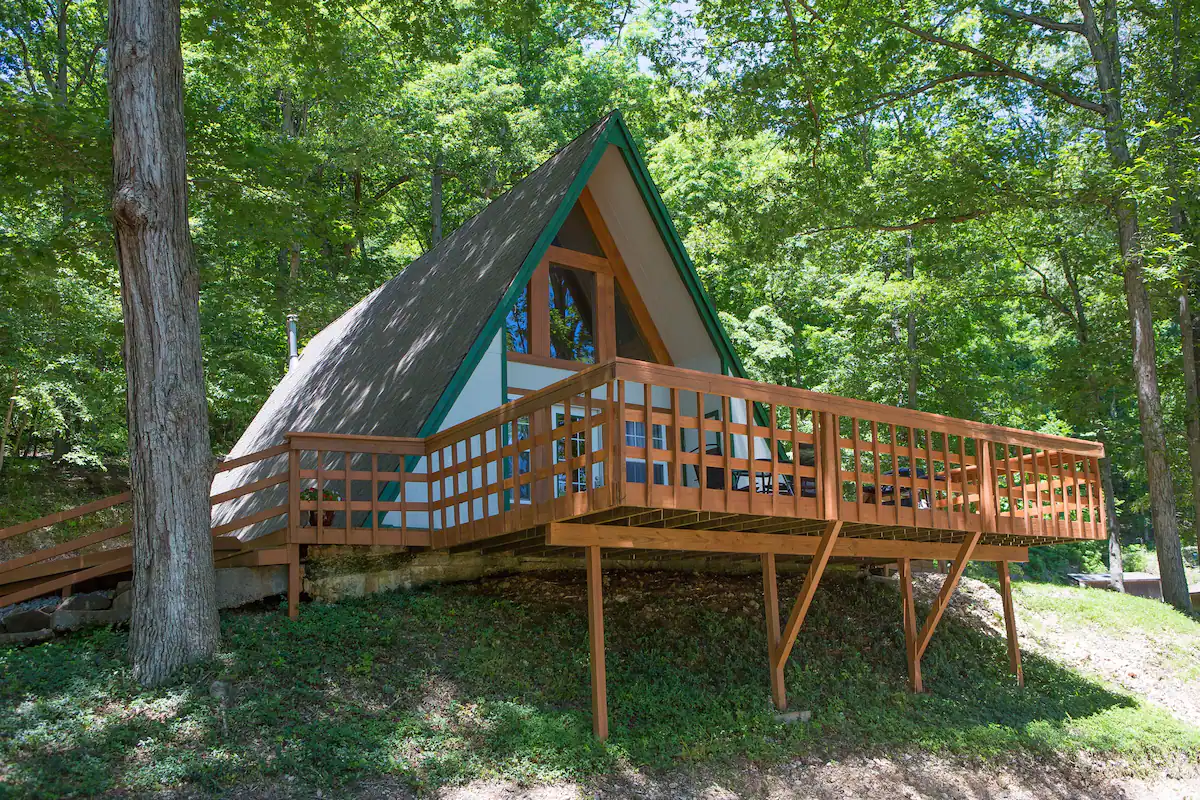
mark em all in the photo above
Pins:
pixel 580 305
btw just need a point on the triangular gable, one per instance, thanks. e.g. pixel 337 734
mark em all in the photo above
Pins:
pixel 615 133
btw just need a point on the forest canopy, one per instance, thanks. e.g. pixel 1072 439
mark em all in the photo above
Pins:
pixel 911 204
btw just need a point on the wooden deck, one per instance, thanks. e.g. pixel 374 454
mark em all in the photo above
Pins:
pixel 650 461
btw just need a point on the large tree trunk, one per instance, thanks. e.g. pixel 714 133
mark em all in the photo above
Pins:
pixel 174 602
pixel 1104 44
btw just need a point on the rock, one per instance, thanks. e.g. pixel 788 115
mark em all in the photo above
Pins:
pixel 223 692
pixel 67 620
pixel 123 586
pixel 122 605
pixel 792 717
pixel 25 637
pixel 238 586
pixel 27 621
pixel 89 601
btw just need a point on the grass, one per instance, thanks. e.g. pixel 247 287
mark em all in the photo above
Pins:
pixel 463 682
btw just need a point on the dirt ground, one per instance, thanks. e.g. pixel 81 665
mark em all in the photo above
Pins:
pixel 915 777
pixel 1155 666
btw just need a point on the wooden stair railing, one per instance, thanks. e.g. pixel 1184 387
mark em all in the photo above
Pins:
pixel 52 568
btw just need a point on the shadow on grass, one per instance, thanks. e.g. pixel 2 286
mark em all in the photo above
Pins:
pixel 463 682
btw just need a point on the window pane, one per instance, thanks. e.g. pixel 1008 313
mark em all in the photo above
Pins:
pixel 516 325
pixel 572 314
pixel 576 234
pixel 630 342
pixel 635 434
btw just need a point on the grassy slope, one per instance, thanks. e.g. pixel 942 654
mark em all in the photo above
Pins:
pixel 478 681
pixel 33 487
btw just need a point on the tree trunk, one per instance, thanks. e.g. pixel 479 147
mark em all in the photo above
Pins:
pixel 914 364
pixel 174 602
pixel 435 203
pixel 1187 323
pixel 1116 563
pixel 1106 55
pixel 1192 391
pixel 12 403
pixel 1154 440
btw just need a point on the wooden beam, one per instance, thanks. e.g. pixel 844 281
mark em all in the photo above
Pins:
pixel 771 603
pixel 1010 623
pixel 948 586
pixel 909 615
pixel 595 595
pixel 578 260
pixel 807 591
pixel 567 534
pixel 539 311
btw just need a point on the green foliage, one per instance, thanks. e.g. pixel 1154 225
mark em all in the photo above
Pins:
pixel 1135 557
pixel 873 215
pixel 1054 562
pixel 459 683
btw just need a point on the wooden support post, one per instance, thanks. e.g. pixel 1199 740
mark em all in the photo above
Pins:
pixel 293 586
pixel 771 603
pixel 909 613
pixel 1010 623
pixel 948 587
pixel 595 595
pixel 293 534
pixel 807 591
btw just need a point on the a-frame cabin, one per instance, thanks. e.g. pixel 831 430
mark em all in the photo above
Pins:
pixel 552 378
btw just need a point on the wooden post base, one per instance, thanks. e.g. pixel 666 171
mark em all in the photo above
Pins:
pixel 771 604
pixel 1010 623
pixel 595 595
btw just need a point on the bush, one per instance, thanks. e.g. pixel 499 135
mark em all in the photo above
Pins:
pixel 1054 562
pixel 1135 557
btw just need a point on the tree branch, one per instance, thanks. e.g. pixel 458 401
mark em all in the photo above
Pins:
pixel 403 179
pixel 1034 19
pixel 1008 69
pixel 906 226
pixel 890 97
pixel 86 74
pixel 26 63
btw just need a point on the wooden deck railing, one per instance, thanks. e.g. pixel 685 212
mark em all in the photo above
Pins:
pixel 102 552
pixel 624 433
pixel 528 462
pixel 778 451
pixel 358 490
pixel 712 443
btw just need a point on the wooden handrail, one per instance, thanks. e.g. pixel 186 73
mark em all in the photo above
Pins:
pixel 742 388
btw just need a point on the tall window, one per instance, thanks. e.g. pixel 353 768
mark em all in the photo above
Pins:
pixel 572 314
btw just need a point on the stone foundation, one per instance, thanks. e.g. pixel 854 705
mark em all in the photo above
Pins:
pixel 335 572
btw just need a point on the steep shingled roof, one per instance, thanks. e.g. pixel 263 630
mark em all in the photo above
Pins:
pixel 381 368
